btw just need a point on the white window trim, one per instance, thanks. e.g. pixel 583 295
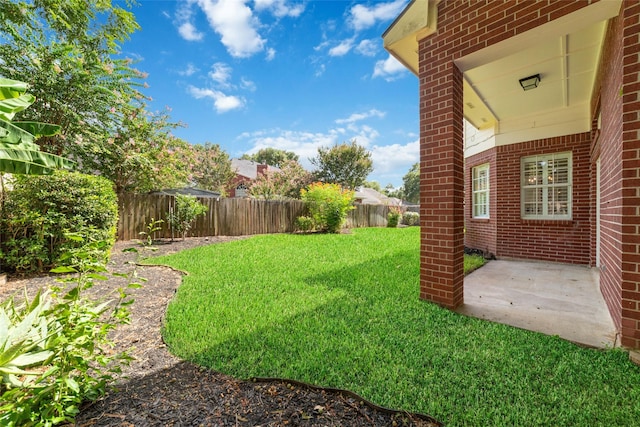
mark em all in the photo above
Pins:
pixel 545 203
pixel 475 192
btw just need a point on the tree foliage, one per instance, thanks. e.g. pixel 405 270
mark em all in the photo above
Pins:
pixel 271 156
pixel 412 184
pixel 211 167
pixel 139 155
pixel 283 184
pixel 67 52
pixel 346 164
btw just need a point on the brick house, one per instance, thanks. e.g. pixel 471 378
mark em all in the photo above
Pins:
pixel 246 172
pixel 529 138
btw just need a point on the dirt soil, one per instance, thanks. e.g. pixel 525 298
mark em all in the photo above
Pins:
pixel 159 389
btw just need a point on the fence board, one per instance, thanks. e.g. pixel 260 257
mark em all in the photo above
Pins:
pixel 230 216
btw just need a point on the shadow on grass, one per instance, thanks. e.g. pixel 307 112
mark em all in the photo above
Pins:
pixel 376 338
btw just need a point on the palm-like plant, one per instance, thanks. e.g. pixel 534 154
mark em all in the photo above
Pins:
pixel 18 152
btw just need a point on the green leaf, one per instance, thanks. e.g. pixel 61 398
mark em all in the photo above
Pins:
pixel 63 269
pixel 14 134
pixel 16 160
pixel 134 286
pixel 38 129
pixel 9 107
pixel 72 384
pixel 31 359
pixel 97 276
pixel 11 88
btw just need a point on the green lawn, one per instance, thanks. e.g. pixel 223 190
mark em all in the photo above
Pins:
pixel 343 311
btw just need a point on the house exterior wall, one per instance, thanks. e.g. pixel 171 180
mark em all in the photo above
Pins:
pixel 617 145
pixel 546 240
pixel 467 27
pixel 608 148
pixel 505 231
pixel 481 233
pixel 462 28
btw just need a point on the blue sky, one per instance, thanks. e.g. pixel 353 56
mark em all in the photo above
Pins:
pixel 293 75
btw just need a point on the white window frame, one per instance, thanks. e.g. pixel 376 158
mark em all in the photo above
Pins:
pixel 480 193
pixel 551 209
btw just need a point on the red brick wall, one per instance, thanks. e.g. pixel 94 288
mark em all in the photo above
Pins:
pixel 610 152
pixel 566 241
pixel 630 229
pixel 481 233
pixel 464 27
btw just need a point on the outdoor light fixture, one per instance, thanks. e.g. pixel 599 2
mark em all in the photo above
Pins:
pixel 530 82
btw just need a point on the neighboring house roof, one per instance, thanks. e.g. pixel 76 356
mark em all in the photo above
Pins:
pixel 189 191
pixel 369 196
pixel 249 168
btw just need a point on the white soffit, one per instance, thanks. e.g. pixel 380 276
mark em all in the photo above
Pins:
pixel 417 21
pixel 564 52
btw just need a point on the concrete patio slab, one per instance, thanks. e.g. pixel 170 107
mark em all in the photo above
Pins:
pixel 555 299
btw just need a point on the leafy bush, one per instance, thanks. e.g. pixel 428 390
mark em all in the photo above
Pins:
pixel 328 205
pixel 304 223
pixel 393 217
pixel 41 211
pixel 411 218
pixel 184 212
pixel 54 348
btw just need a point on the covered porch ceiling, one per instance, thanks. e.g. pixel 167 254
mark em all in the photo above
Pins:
pixel 565 53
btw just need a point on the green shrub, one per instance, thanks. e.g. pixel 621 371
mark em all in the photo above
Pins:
pixel 40 211
pixel 184 212
pixel 393 217
pixel 54 349
pixel 304 223
pixel 328 205
pixel 411 218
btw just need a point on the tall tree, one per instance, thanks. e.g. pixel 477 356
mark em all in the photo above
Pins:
pixel 412 184
pixel 271 156
pixel 139 155
pixel 211 167
pixel 347 164
pixel 283 184
pixel 68 52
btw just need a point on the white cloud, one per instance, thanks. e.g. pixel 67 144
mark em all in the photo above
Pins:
pixel 304 144
pixel 271 53
pixel 320 70
pixel 390 69
pixel 355 117
pixel 189 32
pixel 247 84
pixel 395 157
pixel 279 8
pixel 233 20
pixel 367 47
pixel 189 71
pixel 220 73
pixel 222 102
pixel 363 17
pixel 186 29
pixel 342 49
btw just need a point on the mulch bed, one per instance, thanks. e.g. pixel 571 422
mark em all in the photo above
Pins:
pixel 158 389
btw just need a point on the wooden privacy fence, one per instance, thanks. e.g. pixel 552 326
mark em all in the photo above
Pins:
pixel 230 216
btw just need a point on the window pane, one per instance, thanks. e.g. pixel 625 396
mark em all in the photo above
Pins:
pixel 558 201
pixel 560 171
pixel 546 186
pixel 533 201
pixel 532 174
